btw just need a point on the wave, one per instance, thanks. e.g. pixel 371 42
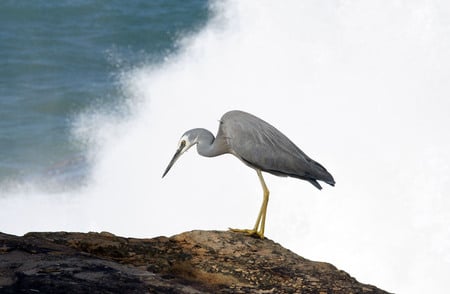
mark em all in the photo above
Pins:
pixel 361 87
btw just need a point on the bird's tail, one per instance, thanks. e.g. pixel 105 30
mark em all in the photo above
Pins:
pixel 323 175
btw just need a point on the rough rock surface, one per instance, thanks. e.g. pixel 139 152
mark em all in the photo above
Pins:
pixel 191 262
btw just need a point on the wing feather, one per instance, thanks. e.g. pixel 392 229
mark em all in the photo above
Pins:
pixel 260 145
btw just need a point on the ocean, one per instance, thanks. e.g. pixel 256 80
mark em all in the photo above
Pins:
pixel 94 96
pixel 60 59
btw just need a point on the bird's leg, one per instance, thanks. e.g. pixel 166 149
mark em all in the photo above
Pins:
pixel 262 214
pixel 258 229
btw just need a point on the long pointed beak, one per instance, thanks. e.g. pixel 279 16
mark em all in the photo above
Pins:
pixel 174 158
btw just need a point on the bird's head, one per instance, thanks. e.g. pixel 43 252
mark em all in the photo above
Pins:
pixel 188 140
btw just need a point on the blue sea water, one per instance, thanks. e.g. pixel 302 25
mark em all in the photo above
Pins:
pixel 58 59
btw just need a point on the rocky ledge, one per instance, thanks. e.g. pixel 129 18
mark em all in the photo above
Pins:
pixel 191 262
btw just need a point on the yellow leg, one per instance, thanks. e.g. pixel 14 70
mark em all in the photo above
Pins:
pixel 258 229
pixel 263 211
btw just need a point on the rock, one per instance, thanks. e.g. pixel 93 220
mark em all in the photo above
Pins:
pixel 191 262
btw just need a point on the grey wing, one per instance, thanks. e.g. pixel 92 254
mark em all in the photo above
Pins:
pixel 262 146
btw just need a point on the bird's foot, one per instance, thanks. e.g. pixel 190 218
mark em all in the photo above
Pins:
pixel 253 232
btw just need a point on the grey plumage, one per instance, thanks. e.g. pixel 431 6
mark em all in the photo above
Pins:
pixel 260 146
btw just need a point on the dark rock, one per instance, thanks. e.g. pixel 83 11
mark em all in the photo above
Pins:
pixel 191 262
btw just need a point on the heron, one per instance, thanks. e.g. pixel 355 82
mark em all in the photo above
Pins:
pixel 260 146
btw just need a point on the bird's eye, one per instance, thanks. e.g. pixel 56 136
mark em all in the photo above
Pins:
pixel 182 144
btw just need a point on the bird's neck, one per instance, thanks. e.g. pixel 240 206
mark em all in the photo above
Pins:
pixel 208 145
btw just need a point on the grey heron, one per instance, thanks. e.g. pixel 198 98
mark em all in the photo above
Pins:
pixel 260 146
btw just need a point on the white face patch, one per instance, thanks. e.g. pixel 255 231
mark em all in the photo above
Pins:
pixel 184 143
